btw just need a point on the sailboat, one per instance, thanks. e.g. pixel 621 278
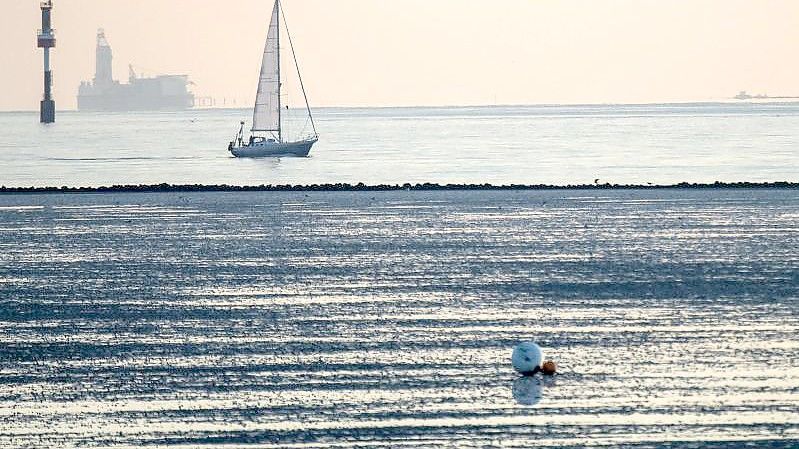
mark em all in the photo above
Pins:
pixel 267 137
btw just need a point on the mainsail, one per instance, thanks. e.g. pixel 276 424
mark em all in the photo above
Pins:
pixel 266 116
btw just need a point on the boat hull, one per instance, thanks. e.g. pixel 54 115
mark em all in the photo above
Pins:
pixel 274 149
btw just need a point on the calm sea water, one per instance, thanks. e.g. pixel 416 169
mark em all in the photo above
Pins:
pixel 387 319
pixel 537 144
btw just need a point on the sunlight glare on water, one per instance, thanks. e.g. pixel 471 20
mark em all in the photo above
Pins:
pixel 353 319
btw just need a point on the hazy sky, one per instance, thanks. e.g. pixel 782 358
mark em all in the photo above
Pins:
pixel 423 52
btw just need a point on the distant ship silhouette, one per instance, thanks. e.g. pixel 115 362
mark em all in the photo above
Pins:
pixel 743 95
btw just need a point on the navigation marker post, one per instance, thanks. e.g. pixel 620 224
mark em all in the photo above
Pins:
pixel 46 41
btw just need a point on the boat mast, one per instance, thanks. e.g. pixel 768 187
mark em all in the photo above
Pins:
pixel 297 65
pixel 279 84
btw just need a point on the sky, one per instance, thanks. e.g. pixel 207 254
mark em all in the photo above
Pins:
pixel 422 52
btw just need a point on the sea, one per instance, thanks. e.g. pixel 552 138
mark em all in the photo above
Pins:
pixel 626 144
pixel 388 319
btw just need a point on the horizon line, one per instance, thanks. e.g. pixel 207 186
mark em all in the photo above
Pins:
pixel 731 101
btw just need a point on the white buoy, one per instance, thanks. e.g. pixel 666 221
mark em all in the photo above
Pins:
pixel 527 358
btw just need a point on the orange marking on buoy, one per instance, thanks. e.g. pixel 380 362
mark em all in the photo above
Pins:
pixel 549 367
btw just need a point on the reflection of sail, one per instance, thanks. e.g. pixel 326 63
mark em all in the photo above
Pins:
pixel 527 390
pixel 267 103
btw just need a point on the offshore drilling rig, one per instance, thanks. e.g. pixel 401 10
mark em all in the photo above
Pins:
pixel 104 93
pixel 46 41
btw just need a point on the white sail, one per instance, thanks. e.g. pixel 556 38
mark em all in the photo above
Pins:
pixel 266 116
